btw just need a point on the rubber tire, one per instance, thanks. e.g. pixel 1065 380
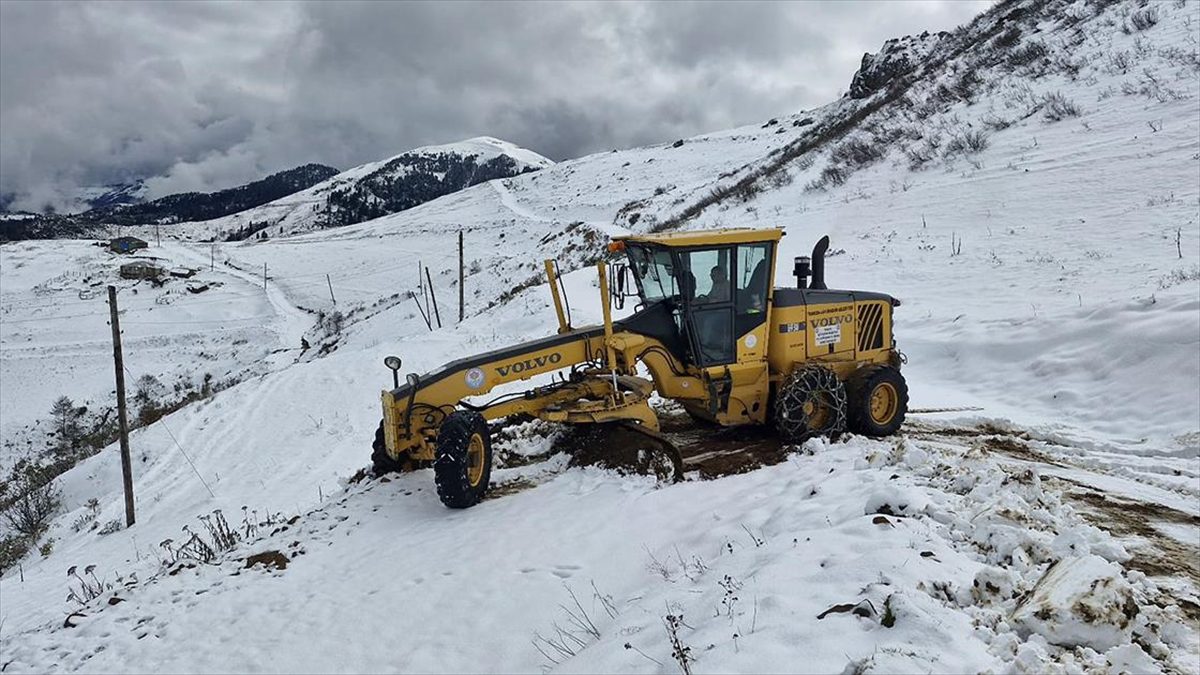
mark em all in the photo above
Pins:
pixel 801 384
pixel 861 386
pixel 381 463
pixel 450 468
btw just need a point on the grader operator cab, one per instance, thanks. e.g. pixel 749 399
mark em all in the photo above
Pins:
pixel 710 332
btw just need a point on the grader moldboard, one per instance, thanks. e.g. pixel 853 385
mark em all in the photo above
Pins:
pixel 710 330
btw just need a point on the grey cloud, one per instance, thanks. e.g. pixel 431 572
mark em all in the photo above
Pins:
pixel 205 95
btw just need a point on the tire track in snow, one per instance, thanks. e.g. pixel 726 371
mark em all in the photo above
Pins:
pixel 294 322
pixel 509 201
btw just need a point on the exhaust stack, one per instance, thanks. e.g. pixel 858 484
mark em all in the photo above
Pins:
pixel 802 270
pixel 818 264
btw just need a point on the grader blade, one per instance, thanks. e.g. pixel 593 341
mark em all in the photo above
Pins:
pixel 663 445
pixel 626 447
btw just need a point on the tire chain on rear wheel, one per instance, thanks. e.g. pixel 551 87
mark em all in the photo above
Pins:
pixel 801 385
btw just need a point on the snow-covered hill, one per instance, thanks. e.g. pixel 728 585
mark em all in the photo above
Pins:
pixel 377 188
pixel 1029 190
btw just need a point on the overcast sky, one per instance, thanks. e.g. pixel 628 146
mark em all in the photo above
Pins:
pixel 206 96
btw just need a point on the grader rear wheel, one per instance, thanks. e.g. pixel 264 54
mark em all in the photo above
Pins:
pixel 878 401
pixel 463 466
pixel 811 402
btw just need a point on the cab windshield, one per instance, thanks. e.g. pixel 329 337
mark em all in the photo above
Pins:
pixel 655 273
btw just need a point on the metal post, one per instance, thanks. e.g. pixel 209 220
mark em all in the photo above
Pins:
pixel 330 289
pixel 264 276
pixel 461 277
pixel 122 420
pixel 433 295
pixel 552 278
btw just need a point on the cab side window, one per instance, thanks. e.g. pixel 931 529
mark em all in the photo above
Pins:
pixel 752 285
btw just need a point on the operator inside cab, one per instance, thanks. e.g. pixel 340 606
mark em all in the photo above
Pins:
pixel 720 286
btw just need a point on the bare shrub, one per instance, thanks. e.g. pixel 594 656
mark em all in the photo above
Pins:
pixel 831 176
pixel 147 395
pixel 35 501
pixel 679 651
pixel 1065 63
pixel 1179 56
pixel 87 519
pixel 780 179
pixel 332 323
pixel 1179 276
pixel 1008 38
pixel 966 142
pixel 1150 86
pixel 1056 107
pixel 854 153
pixel 578 632
pixel 12 549
pixel 1032 52
pixel 201 547
pixel 965 85
pixel 1119 62
pixel 995 122
pixel 923 153
pixel 1142 19
pixel 110 527
pixel 85 588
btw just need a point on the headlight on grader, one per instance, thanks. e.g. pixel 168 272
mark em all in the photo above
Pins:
pixel 393 364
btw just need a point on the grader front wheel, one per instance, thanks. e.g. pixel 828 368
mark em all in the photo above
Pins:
pixel 381 462
pixel 463 466
pixel 811 402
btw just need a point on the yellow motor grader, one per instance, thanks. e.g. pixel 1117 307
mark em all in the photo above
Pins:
pixel 709 332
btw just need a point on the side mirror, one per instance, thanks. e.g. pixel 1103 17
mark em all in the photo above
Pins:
pixel 393 364
pixel 618 274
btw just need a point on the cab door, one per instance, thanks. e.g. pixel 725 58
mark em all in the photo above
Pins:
pixel 709 301
pixel 726 298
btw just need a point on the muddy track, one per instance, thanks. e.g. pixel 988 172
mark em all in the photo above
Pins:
pixel 1162 555
pixel 1141 525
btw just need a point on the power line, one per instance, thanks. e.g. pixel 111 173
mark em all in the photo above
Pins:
pixel 192 464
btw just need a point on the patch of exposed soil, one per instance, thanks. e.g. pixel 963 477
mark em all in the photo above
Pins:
pixel 1161 555
pixel 268 559
pixel 512 487
pixel 1011 446
pixel 722 451
pixel 613 447
pixel 918 429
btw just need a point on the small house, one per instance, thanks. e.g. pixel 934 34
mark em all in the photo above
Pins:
pixel 141 269
pixel 126 244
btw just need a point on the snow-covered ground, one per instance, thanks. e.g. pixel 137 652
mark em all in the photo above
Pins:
pixel 1055 526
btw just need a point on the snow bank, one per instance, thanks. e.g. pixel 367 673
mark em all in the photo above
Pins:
pixel 1082 601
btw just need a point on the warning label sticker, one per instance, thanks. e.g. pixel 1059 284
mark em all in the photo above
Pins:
pixel 828 335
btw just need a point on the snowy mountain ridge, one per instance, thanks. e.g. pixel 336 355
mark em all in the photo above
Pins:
pixel 377 188
pixel 1029 191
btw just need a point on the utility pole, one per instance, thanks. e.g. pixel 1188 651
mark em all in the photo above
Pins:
pixel 330 289
pixel 461 276
pixel 122 420
pixel 264 276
